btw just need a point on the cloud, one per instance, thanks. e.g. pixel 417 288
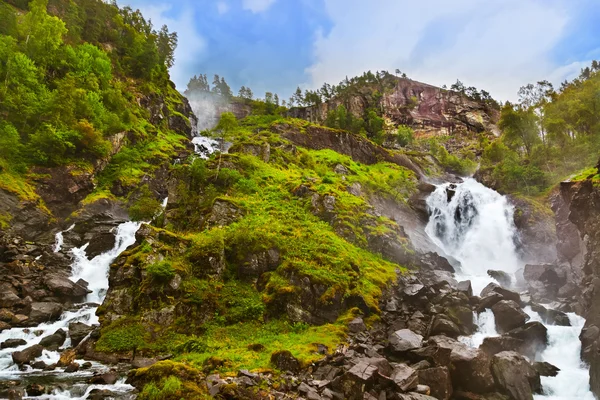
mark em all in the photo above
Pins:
pixel 498 47
pixel 222 7
pixel 257 6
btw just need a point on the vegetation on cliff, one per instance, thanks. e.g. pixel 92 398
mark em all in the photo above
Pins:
pixel 549 135
pixel 77 77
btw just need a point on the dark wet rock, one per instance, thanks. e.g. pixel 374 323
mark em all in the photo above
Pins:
pixel 285 361
pixel 498 344
pixel 357 325
pixel 503 278
pixel 489 301
pixel 508 315
pixel 4 326
pixel 78 331
pixel 257 264
pixel 9 299
pixel 223 213
pixel 544 280
pixel 442 325
pixel 54 341
pixel 404 340
pixel 505 293
pixel 550 316
pixel 35 389
pixel 434 355
pixel 405 378
pixel 439 382
pixel 73 367
pixel 471 367
pixel 15 393
pixel 534 336
pixel 63 287
pixel 12 343
pixel 363 371
pixel 101 394
pixel 515 376
pixel 44 312
pixel 27 355
pixel 465 287
pixel 6 315
pixel 39 365
pixel 107 378
pixel 86 365
pixel 413 396
pixel 545 368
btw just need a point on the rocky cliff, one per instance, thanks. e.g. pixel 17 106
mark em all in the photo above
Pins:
pixel 429 110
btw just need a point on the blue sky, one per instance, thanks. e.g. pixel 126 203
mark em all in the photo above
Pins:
pixel 276 45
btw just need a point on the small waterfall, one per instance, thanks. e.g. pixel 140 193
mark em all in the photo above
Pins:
pixel 474 224
pixel 60 240
pixel 95 272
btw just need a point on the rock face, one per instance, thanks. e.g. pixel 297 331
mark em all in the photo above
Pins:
pixel 424 107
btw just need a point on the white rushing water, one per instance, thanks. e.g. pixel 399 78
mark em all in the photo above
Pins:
pixel 204 146
pixel 95 272
pixel 60 240
pixel 475 226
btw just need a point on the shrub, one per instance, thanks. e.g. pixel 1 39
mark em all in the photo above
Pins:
pixel 405 135
pixel 161 271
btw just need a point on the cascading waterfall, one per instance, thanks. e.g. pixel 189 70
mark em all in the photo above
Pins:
pixel 95 272
pixel 474 224
pixel 60 239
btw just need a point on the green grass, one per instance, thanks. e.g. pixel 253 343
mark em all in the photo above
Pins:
pixel 587 174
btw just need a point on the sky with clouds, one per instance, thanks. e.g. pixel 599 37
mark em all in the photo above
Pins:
pixel 276 45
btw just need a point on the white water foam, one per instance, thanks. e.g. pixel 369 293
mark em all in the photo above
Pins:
pixel 204 146
pixel 476 227
pixel 60 240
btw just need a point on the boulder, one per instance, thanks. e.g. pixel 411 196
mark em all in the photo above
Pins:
pixel 471 367
pixel 63 287
pixel 545 368
pixel 534 336
pixel 363 371
pixel 9 299
pixel 497 344
pixel 44 312
pixel 508 315
pixel 503 278
pixel 515 376
pixel 357 325
pixel 505 293
pixel 442 325
pixel 54 341
pixel 413 396
pixel 107 378
pixel 285 361
pixel 405 378
pixel 27 355
pixel 439 382
pixel 73 367
pixel 78 331
pixel 12 343
pixel 434 355
pixel 35 390
pixel 404 340
pixel 465 287
pixel 488 301
pixel 550 316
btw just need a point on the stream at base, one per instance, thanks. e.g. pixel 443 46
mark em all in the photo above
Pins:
pixel 70 385
pixel 474 225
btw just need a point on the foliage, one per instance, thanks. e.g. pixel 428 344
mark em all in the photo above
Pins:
pixel 146 207
pixel 168 388
pixel 405 135
pixel 161 271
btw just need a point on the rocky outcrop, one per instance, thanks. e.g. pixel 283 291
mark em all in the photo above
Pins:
pixel 427 109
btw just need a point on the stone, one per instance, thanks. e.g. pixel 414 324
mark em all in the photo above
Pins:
pixel 285 361
pixel 423 389
pixel 471 367
pixel 35 389
pixel 6 315
pixel 497 344
pixel 27 355
pixel 363 371
pixel 73 367
pixel 101 394
pixel 404 340
pixel 63 287
pixel 12 343
pixel 515 376
pixel 505 293
pixel 442 325
pixel 54 341
pixel 438 380
pixel 357 325
pixel 508 315
pixel 488 301
pixel 45 311
pixel 107 378
pixel 39 365
pixel 534 336
pixel 465 287
pixel 405 378
pixel 434 355
pixel 413 396
pixel 78 331
pixel 545 368
pixel 66 358
pixel 9 299
pixel 503 278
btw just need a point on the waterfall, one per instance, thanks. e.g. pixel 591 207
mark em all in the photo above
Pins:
pixel 60 240
pixel 95 272
pixel 474 224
